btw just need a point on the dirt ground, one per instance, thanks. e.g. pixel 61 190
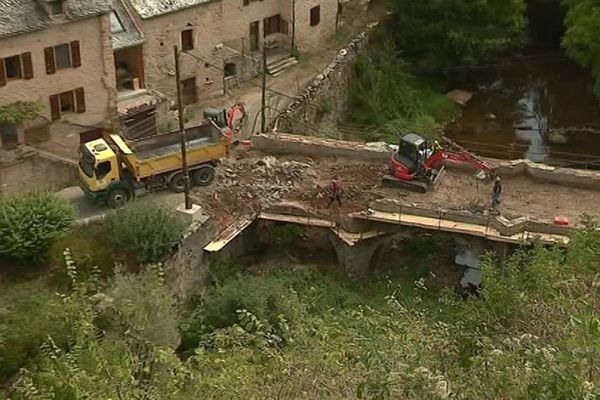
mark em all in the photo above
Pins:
pixel 249 182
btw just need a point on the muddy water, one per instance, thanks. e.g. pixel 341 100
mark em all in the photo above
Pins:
pixel 539 106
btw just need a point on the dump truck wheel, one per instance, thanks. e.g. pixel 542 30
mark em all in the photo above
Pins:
pixel 117 198
pixel 203 176
pixel 177 183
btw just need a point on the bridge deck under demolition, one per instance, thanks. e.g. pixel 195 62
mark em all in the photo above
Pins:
pixel 287 168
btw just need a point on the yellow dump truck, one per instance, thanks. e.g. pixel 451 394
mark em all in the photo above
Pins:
pixel 114 170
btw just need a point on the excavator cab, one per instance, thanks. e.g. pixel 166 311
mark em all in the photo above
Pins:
pixel 413 150
pixel 217 115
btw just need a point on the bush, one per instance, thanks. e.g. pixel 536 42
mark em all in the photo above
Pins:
pixel 142 304
pixel 89 253
pixel 29 314
pixel 143 228
pixel 269 299
pixel 29 223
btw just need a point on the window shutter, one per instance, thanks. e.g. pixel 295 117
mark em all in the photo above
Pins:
pixel 27 66
pixel 2 75
pixel 49 57
pixel 80 100
pixel 284 27
pixel 75 54
pixel 54 107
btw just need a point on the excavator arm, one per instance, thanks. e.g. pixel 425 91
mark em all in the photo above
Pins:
pixel 455 153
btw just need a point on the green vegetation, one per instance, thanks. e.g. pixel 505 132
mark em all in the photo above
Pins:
pixel 581 37
pixel 145 229
pixel 297 333
pixel 29 223
pixel 457 33
pixel 20 111
pixel 389 99
pixel 397 87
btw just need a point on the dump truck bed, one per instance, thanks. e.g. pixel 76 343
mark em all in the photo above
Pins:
pixel 162 153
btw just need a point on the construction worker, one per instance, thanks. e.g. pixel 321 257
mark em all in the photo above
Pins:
pixel 336 192
pixel 496 192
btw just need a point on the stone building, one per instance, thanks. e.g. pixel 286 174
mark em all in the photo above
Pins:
pixel 221 40
pixel 95 63
pixel 58 53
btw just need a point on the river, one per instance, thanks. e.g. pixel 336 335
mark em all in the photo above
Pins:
pixel 534 103
pixel 539 106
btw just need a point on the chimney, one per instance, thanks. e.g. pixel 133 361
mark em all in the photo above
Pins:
pixel 54 8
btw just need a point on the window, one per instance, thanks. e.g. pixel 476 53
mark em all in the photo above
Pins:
pixel 63 56
pixel 187 39
pixel 12 67
pixel 315 16
pixel 188 90
pixel 102 169
pixel 67 102
pixel 115 23
pixel 55 7
pixel 230 69
pixel 15 67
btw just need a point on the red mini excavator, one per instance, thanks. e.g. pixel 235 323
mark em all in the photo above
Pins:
pixel 418 164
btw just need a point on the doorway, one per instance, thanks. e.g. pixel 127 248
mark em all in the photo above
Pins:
pixel 9 136
pixel 254 36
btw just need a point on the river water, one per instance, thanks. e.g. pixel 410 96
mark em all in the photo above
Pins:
pixel 539 106
pixel 534 103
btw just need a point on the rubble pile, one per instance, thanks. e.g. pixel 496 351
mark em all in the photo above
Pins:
pixel 247 185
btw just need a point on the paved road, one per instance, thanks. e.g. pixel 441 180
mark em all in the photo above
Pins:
pixel 87 211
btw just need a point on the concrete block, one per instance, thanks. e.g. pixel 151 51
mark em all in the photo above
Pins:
pixel 193 215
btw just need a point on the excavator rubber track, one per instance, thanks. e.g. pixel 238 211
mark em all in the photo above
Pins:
pixel 416 186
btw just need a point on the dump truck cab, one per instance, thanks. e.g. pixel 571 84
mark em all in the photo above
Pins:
pixel 99 169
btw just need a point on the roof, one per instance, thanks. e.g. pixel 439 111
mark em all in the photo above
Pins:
pixel 22 16
pixel 100 149
pixel 413 138
pixel 130 34
pixel 154 8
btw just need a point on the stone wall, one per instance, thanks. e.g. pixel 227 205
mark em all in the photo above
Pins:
pixel 282 143
pixel 188 269
pixel 163 32
pixel 324 102
pixel 35 171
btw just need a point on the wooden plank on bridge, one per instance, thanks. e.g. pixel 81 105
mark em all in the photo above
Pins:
pixel 445 225
pixel 229 234
pixel 297 219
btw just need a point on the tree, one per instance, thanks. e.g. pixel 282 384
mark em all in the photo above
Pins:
pixel 20 111
pixel 29 222
pixel 451 33
pixel 581 37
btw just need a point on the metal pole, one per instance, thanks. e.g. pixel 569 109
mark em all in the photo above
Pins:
pixel 263 120
pixel 186 191
pixel 293 28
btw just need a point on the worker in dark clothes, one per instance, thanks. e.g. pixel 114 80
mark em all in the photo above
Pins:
pixel 336 192
pixel 496 192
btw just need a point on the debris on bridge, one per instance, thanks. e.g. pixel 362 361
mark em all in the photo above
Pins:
pixel 251 181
